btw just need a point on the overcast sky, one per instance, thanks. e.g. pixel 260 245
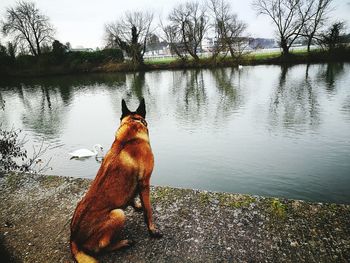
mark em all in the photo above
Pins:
pixel 81 22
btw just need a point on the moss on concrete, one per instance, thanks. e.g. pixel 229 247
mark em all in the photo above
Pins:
pixel 236 201
pixel 277 208
pixel 198 226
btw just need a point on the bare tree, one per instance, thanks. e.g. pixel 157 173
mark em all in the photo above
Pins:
pixel 332 37
pixel 289 16
pixel 131 33
pixel 12 49
pixel 317 19
pixel 174 39
pixel 190 22
pixel 228 29
pixel 28 26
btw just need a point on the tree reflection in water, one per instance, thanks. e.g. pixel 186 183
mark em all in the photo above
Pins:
pixel 207 97
pixel 294 104
pixel 263 129
pixel 230 97
pixel 45 100
pixel 190 96
pixel 329 73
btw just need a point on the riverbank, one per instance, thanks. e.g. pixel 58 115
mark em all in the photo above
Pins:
pixel 198 226
pixel 256 58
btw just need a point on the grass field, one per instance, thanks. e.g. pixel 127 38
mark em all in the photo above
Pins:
pixel 164 60
pixel 251 57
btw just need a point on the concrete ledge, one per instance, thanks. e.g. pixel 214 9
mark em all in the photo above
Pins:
pixel 197 226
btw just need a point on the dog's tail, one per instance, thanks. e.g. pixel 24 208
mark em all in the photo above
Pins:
pixel 80 256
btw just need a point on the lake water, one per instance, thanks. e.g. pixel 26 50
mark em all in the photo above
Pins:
pixel 265 130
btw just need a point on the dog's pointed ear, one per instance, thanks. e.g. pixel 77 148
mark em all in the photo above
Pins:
pixel 125 110
pixel 141 110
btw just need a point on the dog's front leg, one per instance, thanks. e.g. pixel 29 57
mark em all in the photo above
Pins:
pixel 147 210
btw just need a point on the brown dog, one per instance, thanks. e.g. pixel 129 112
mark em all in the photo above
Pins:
pixel 124 173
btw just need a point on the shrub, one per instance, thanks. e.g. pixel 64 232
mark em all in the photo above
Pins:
pixel 13 155
pixel 97 57
pixel 11 150
pixel 25 61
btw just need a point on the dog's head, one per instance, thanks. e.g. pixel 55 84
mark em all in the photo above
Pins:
pixel 139 114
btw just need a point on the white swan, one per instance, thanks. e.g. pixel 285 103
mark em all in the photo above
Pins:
pixel 240 67
pixel 82 153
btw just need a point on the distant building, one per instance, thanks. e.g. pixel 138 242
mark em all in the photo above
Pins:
pixel 156 47
pixel 253 43
pixel 81 49
pixel 161 51
pixel 257 43
pixel 208 44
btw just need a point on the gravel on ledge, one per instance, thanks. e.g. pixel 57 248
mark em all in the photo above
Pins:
pixel 198 226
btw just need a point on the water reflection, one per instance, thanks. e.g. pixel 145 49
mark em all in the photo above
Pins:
pixel 132 90
pixel 294 103
pixel 345 108
pixel 65 85
pixel 44 114
pixel 208 97
pixel 270 130
pixel 2 103
pixel 136 85
pixel 190 96
pixel 45 100
pixel 230 96
pixel 109 80
pixel 329 74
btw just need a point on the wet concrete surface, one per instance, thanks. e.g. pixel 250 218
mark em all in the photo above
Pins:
pixel 198 226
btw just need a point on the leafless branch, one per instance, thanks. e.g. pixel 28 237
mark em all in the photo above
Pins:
pixel 316 20
pixel 189 22
pixel 28 26
pixel 228 28
pixel 130 33
pixel 289 17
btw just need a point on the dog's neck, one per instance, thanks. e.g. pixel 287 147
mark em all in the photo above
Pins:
pixel 132 129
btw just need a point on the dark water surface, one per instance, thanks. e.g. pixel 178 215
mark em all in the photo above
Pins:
pixel 266 130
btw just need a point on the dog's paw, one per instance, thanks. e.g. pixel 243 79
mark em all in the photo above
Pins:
pixel 130 243
pixel 138 209
pixel 155 233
